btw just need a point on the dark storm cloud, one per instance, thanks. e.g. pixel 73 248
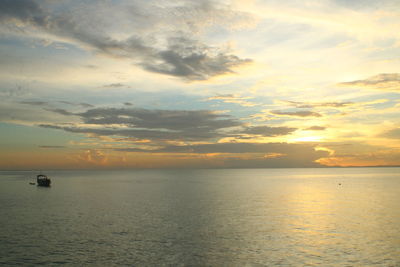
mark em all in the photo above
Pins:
pixel 305 113
pixel 183 56
pixel 268 131
pixel 384 81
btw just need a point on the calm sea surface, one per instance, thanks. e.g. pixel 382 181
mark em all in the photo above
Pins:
pixel 247 217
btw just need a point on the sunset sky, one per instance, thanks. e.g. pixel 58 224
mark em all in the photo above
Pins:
pixel 199 84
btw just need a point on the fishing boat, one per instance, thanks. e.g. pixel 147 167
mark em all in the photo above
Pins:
pixel 43 180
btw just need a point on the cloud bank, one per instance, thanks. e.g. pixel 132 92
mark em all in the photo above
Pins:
pixel 174 52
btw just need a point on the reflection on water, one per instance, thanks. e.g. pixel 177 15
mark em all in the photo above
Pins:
pixel 287 217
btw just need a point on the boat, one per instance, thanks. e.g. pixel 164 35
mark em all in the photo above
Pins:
pixel 43 180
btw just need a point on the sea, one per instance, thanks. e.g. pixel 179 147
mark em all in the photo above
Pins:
pixel 202 217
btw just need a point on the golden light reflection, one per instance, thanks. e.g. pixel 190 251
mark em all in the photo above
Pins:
pixel 310 209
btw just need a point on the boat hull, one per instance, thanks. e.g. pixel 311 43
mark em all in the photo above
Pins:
pixel 43 182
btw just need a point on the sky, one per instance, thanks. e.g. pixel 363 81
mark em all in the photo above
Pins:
pixel 199 84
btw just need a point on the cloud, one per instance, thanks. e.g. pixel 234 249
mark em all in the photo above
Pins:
pixel 302 113
pixel 192 60
pixel 393 133
pixel 315 128
pixel 284 148
pixel 44 103
pixel 51 147
pixel 230 98
pixel 84 105
pixel 60 111
pixel 318 104
pixel 150 124
pixel 173 52
pixel 93 156
pixel 360 154
pixel 384 81
pixel 156 135
pixel 159 119
pixel 115 85
pixel 158 127
pixel 268 131
pixel 23 10
pixel 29 114
pixel 34 103
pixel 286 155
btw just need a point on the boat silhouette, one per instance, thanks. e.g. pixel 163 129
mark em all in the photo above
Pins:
pixel 43 180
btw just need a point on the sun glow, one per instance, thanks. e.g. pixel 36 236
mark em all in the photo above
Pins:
pixel 313 138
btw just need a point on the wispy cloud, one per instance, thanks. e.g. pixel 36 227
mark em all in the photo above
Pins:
pixel 384 81
pixel 84 105
pixel 317 104
pixel 301 113
pixel 34 103
pixel 115 85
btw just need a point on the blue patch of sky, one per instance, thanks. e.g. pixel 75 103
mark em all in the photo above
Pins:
pixel 386 53
pixel 20 136
pixel 272 32
pixel 329 42
pixel 26 45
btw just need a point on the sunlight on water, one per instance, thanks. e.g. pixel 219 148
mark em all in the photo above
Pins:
pixel 254 217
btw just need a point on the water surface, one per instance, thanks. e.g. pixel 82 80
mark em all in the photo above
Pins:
pixel 247 217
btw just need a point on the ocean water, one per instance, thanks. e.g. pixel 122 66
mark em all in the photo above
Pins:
pixel 245 217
